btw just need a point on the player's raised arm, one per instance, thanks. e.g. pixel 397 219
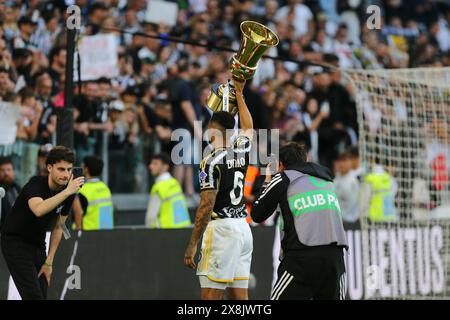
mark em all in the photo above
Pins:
pixel 245 118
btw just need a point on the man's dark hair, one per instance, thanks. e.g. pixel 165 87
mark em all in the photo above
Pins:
pixel 331 58
pixel 48 12
pixel 131 91
pixel 196 65
pixel 183 67
pixel 353 152
pixel 6 160
pixel 293 153
pixel 224 119
pixel 54 52
pixel 163 157
pixel 97 6
pixel 35 77
pixel 343 26
pixel 25 20
pixel 60 153
pixel 21 53
pixel 94 165
pixel 26 93
pixel 103 80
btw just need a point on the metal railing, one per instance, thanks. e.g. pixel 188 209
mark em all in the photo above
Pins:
pixel 24 155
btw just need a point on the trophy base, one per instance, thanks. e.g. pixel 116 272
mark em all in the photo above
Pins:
pixel 215 99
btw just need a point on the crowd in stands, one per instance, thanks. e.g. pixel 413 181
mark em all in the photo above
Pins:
pixel 163 85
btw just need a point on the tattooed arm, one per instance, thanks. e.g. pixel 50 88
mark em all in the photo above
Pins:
pixel 207 200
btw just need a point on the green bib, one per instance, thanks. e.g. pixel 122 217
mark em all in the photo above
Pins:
pixel 99 213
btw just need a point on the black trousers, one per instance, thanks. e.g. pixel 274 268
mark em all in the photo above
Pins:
pixel 317 274
pixel 24 262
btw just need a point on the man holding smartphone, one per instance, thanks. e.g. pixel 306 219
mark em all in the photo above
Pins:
pixel 44 203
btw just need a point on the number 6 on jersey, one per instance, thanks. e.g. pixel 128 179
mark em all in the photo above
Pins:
pixel 238 188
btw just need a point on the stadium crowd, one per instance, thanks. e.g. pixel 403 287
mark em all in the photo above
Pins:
pixel 163 85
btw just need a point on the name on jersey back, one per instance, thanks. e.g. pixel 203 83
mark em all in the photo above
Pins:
pixel 236 163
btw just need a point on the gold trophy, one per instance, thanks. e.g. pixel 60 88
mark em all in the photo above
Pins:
pixel 256 39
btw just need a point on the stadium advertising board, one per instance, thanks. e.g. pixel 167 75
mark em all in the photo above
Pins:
pixel 395 263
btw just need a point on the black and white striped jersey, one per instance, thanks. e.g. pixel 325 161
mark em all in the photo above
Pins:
pixel 224 170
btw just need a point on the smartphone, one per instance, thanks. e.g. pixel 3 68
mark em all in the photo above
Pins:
pixel 273 161
pixel 325 107
pixel 77 172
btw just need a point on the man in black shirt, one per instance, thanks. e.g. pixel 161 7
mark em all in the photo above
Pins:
pixel 91 120
pixel 7 177
pixel 312 232
pixel 47 122
pixel 183 96
pixel 57 61
pixel 44 203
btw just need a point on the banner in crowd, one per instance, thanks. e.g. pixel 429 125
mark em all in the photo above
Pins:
pixel 9 114
pixel 391 263
pixel 98 55
pixel 162 11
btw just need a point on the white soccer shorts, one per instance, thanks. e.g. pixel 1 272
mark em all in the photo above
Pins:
pixel 226 254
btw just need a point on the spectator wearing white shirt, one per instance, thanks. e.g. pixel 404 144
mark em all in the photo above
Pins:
pixel 442 33
pixel 125 78
pixel 26 29
pixel 266 69
pixel 353 154
pixel 48 29
pixel 302 18
pixel 129 24
pixel 313 118
pixel 270 10
pixel 342 48
pixel 347 188
pixel 322 42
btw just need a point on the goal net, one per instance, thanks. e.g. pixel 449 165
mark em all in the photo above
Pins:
pixel 404 236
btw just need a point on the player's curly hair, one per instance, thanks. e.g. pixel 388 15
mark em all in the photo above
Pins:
pixel 224 119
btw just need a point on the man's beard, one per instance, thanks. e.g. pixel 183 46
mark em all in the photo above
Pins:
pixel 7 181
